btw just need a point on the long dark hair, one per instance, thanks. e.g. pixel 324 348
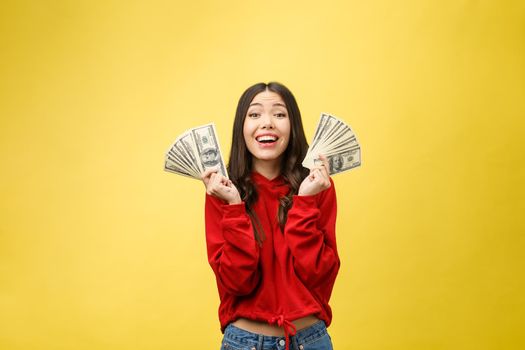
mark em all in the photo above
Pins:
pixel 240 163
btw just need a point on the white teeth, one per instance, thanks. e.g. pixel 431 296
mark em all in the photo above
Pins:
pixel 266 138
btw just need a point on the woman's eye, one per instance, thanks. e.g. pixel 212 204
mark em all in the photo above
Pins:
pixel 280 115
pixel 253 115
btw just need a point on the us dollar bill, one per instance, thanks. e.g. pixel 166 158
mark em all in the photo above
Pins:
pixel 195 151
pixel 335 140
pixel 173 168
pixel 341 162
pixel 208 149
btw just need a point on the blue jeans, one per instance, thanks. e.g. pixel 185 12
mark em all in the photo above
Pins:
pixel 314 337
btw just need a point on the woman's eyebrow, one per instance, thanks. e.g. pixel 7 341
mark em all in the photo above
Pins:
pixel 278 104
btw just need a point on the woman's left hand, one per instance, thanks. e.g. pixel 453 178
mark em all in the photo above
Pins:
pixel 317 181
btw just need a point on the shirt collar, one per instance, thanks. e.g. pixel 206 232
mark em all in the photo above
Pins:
pixel 278 185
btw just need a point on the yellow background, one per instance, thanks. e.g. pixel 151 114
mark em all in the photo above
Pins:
pixel 102 249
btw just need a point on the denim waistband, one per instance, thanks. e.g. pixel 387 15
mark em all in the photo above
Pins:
pixel 258 341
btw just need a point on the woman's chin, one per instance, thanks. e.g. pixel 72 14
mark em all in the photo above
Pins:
pixel 267 158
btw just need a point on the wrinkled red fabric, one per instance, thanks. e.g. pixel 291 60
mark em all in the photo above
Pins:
pixel 292 274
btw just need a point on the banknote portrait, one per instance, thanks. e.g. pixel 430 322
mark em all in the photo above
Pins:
pixel 210 157
pixel 336 163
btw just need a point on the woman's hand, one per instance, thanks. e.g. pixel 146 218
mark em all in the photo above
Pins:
pixel 220 187
pixel 317 181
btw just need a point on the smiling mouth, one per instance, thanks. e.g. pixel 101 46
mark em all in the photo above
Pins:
pixel 266 139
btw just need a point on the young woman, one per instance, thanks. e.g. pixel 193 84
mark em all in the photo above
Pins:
pixel 270 230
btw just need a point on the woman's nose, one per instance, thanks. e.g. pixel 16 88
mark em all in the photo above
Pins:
pixel 266 121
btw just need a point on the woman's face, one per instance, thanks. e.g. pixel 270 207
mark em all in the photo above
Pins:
pixel 267 128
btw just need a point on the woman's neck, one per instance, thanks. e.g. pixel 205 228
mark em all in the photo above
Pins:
pixel 268 169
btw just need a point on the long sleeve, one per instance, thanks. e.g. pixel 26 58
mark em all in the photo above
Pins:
pixel 233 253
pixel 310 236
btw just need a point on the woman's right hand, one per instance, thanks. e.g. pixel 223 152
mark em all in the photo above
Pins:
pixel 220 186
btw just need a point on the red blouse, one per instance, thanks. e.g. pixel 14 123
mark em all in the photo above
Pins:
pixel 292 274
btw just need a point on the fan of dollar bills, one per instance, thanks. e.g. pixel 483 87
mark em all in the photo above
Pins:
pixel 334 139
pixel 195 151
pixel 198 149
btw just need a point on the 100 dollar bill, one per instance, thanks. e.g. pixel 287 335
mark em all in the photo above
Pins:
pixel 195 151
